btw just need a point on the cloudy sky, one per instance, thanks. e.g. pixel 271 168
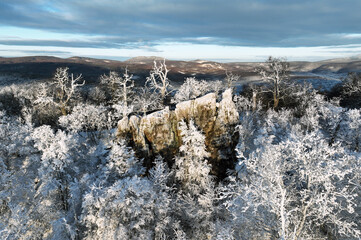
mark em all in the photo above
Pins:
pixel 223 30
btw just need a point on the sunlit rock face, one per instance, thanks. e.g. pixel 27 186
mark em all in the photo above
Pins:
pixel 158 132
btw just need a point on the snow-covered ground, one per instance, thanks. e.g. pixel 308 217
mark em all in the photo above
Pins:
pixel 323 81
pixel 9 79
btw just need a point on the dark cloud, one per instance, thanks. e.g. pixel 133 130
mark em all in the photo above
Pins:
pixel 133 23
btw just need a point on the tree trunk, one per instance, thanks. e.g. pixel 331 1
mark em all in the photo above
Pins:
pixel 163 93
pixel 63 110
pixel 254 101
pixel 275 100
pixel 282 212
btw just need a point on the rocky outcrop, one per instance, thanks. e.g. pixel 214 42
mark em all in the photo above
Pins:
pixel 158 132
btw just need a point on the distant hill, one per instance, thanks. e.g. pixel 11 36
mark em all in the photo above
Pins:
pixel 143 60
pixel 43 67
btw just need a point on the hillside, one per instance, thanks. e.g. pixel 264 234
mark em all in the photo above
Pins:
pixel 43 67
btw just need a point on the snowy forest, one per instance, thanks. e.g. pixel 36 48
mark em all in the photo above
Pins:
pixel 204 160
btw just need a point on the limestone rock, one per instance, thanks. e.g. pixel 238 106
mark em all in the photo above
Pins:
pixel 227 110
pixel 123 127
pixel 158 132
pixel 227 118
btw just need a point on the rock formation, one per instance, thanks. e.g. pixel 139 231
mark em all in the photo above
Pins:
pixel 158 132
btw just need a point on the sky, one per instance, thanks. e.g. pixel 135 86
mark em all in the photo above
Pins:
pixel 220 30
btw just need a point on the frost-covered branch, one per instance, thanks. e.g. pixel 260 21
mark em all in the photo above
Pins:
pixel 120 87
pixel 275 74
pixel 158 78
pixel 352 84
pixel 231 78
pixel 66 86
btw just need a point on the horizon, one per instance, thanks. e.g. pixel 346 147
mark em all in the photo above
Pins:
pixel 232 31
pixel 124 59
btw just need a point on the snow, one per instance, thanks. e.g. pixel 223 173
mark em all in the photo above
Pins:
pixel 323 81
pixel 78 180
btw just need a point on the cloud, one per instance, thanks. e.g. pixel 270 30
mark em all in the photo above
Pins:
pixel 352 36
pixel 231 22
pixel 41 52
pixel 191 51
pixel 187 29
pixel 76 44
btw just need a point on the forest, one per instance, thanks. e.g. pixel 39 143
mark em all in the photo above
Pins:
pixel 274 160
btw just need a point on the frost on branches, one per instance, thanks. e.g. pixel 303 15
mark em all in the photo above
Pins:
pixel 192 168
pixel 296 175
pixel 195 204
pixel 191 89
pixel 300 187
pixel 133 207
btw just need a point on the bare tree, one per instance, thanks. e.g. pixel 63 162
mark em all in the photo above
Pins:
pixel 65 89
pixel 256 90
pixel 66 85
pixel 111 82
pixel 120 87
pixel 127 85
pixel 158 78
pixel 231 78
pixel 276 74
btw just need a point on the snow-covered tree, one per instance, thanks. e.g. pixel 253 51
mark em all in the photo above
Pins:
pixel 121 88
pixel 158 78
pixel 299 186
pixel 59 152
pixel 147 100
pixel 65 89
pixel 66 86
pixel 192 167
pixel 31 206
pixel 215 86
pixel 352 84
pixel 18 164
pixel 55 148
pixel 191 89
pixel 132 208
pixel 348 130
pixel 85 117
pixel 112 83
pixel 231 79
pixel 277 76
pixel 195 204
pixel 122 162
pixel 44 109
